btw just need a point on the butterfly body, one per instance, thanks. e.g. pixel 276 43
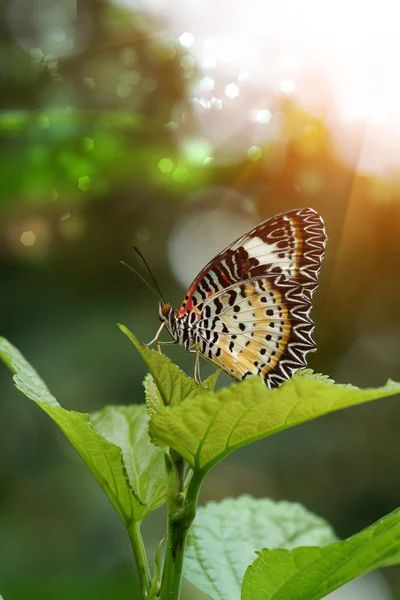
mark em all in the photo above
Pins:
pixel 248 310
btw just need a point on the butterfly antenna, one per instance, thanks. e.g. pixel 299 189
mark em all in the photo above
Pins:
pixel 142 278
pixel 149 270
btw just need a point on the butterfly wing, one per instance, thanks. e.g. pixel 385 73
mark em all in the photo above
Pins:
pixel 254 298
pixel 263 328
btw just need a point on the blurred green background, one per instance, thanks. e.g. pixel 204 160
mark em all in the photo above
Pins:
pixel 119 126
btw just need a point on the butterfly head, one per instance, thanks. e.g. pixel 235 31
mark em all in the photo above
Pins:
pixel 167 315
pixel 165 311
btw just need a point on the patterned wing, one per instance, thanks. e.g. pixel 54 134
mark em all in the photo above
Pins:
pixel 291 244
pixel 252 302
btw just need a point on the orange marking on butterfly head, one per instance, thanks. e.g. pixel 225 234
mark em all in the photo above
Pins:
pixel 166 309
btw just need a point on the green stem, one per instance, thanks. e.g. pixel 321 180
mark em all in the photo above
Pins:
pixel 181 512
pixel 140 558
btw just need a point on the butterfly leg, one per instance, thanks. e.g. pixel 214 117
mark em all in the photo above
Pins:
pixel 159 344
pixel 156 336
pixel 197 376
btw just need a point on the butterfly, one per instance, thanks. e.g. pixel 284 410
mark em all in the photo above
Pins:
pixel 248 310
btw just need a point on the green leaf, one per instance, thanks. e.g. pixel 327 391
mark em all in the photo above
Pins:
pixel 311 573
pixel 309 374
pixel 173 384
pixel 103 457
pixel 208 386
pixel 206 429
pixel 224 537
pixel 153 397
pixel 127 427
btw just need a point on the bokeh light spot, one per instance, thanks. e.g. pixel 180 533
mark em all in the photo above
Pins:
pixel 171 126
pixel 51 62
pixel 187 39
pixel 129 77
pixel 58 35
pixel 207 84
pixel 254 153
pixel 157 50
pixel 309 180
pixel 165 165
pixel 28 238
pixel 188 73
pixel 209 63
pixel 84 183
pixel 88 144
pixel 123 90
pixel 89 83
pixel 143 234
pixel 36 54
pixel 196 150
pixel 243 76
pixel 128 57
pixel 287 86
pixel 232 90
pixel 149 85
pixel 187 62
pixel 260 115
pixel 181 174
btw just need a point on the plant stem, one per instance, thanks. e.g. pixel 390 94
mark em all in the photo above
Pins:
pixel 181 512
pixel 140 557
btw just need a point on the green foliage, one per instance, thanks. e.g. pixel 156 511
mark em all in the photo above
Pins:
pixel 209 427
pixel 171 384
pixel 225 536
pixel 127 428
pixel 152 395
pixel 113 443
pixel 144 455
pixel 311 573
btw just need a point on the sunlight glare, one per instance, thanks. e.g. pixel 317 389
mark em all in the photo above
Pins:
pixel 337 59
